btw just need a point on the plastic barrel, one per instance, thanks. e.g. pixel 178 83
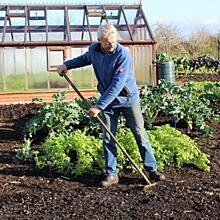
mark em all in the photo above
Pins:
pixel 166 71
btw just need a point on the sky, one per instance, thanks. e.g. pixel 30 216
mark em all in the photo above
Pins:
pixel 186 16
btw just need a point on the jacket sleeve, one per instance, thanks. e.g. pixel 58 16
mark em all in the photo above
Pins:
pixel 79 61
pixel 119 79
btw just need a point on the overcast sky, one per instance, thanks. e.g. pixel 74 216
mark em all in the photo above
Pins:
pixel 187 16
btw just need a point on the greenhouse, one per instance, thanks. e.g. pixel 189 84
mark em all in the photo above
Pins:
pixel 34 39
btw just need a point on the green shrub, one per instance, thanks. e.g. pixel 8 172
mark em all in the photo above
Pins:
pixel 58 116
pixel 75 154
pixel 170 146
pixel 173 147
pixel 180 102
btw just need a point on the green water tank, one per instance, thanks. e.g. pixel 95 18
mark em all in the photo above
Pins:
pixel 166 71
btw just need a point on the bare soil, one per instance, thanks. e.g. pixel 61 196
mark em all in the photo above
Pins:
pixel 26 193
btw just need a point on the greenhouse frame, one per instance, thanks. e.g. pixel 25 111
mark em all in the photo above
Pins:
pixel 34 39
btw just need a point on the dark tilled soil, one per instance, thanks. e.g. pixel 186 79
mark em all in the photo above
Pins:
pixel 198 78
pixel 187 193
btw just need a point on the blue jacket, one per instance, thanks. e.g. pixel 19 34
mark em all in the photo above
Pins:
pixel 116 81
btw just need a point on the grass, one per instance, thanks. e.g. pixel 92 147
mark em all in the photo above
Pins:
pixel 83 78
pixel 201 85
pixel 15 82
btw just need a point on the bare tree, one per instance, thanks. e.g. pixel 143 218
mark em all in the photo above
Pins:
pixel 199 42
pixel 169 40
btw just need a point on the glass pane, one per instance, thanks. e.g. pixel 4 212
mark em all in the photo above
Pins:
pixel 37 71
pixel 76 17
pixel 83 77
pixel 55 36
pixel 142 64
pixel 55 17
pixel 55 81
pixel 36 37
pixel 56 57
pixel 14 69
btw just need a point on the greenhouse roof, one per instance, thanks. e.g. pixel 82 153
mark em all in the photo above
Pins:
pixel 69 24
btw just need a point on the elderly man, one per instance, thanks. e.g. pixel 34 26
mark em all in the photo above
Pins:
pixel 119 94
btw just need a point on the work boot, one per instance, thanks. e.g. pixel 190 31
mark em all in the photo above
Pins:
pixel 157 176
pixel 110 180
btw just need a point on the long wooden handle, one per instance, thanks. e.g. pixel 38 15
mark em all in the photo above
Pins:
pixel 106 128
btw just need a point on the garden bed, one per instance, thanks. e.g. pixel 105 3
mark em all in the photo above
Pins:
pixel 187 193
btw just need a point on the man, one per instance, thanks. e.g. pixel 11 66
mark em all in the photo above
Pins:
pixel 119 94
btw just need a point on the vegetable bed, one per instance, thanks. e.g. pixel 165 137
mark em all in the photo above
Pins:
pixel 27 193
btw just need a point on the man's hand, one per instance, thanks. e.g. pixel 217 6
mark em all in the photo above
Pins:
pixel 94 111
pixel 61 69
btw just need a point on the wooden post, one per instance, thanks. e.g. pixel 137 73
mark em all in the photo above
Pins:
pixel 15 69
pixel 4 69
pixel 48 67
pixel 67 55
pixel 26 69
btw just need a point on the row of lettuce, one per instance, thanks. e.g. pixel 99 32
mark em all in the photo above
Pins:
pixel 204 64
pixel 71 140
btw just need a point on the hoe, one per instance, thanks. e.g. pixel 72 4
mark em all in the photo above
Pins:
pixel 122 148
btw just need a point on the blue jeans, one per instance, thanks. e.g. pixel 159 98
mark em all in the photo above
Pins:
pixel 135 122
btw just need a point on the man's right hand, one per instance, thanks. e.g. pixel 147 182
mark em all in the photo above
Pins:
pixel 61 69
pixel 94 111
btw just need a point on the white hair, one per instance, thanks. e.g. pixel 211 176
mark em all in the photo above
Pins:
pixel 106 30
